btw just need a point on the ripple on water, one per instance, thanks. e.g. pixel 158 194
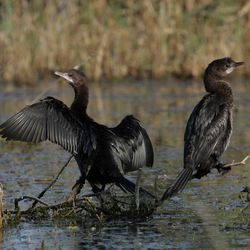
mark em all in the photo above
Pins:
pixel 201 217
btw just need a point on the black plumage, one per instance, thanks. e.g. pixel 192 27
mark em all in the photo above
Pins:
pixel 209 127
pixel 101 153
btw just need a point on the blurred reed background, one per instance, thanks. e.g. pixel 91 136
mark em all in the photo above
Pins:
pixel 114 39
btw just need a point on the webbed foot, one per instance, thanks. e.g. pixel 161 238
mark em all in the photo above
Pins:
pixel 76 189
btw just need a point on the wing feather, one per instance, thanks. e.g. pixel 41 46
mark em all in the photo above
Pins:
pixel 30 132
pixel 132 146
pixel 37 134
pixel 52 120
pixel 205 128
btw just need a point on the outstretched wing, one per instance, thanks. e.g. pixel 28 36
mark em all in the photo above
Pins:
pixel 50 119
pixel 132 146
pixel 205 129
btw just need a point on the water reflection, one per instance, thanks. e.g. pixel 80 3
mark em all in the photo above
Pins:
pixel 194 219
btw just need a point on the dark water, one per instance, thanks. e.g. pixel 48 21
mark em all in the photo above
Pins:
pixel 200 217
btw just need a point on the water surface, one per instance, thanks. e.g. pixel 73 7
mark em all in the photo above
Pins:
pixel 197 218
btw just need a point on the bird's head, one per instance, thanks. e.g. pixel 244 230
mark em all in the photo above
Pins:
pixel 222 67
pixel 74 77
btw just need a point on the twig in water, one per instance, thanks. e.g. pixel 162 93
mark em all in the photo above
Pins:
pixel 53 182
pixel 26 197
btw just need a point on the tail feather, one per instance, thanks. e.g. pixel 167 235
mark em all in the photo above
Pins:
pixel 128 186
pixel 183 178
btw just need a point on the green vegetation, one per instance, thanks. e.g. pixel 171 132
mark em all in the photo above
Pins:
pixel 115 39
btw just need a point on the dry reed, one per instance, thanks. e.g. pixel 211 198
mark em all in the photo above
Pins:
pixel 116 39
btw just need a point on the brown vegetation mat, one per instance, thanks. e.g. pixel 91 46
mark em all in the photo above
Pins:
pixel 97 207
pixel 106 206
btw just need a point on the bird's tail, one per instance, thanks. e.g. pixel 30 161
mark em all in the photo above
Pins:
pixel 128 186
pixel 179 184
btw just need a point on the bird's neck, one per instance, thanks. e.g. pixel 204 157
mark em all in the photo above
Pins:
pixel 215 84
pixel 80 103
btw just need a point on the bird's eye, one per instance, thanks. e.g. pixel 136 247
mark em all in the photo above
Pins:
pixel 70 74
pixel 228 65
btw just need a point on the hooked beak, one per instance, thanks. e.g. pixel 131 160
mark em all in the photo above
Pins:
pixel 233 65
pixel 64 76
pixel 236 64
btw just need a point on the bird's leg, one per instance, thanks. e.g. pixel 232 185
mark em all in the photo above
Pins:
pixel 221 167
pixel 137 189
pixel 76 189
pixel 103 187
pixel 225 167
pixel 96 189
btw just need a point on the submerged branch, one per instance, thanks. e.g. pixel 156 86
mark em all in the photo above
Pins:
pixel 52 183
pixel 26 197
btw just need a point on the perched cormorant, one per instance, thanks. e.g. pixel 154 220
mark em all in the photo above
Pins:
pixel 101 153
pixel 209 127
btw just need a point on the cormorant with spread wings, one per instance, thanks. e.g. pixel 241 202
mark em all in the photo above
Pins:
pixel 102 153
